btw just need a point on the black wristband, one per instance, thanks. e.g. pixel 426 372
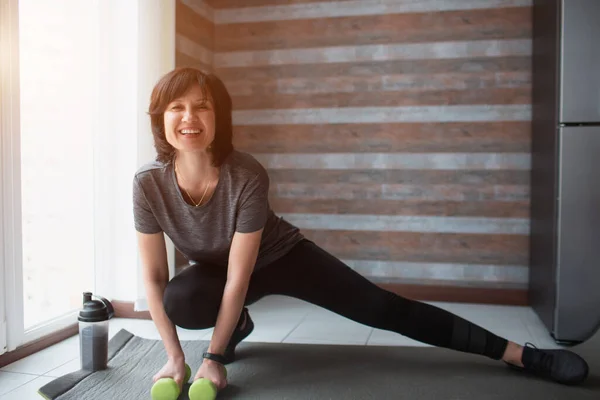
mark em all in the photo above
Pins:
pixel 214 357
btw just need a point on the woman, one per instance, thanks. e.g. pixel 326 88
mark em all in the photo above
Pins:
pixel 212 201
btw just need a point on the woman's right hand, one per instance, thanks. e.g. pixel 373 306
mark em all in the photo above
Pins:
pixel 175 369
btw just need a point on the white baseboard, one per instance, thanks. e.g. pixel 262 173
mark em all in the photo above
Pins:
pixel 140 305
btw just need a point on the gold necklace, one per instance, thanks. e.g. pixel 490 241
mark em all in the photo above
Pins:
pixel 190 196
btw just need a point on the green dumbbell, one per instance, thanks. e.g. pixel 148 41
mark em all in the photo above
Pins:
pixel 203 389
pixel 167 388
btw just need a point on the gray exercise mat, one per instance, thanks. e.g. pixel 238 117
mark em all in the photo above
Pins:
pixel 310 371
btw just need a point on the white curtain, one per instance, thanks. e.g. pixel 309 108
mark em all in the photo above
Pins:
pixel 137 45
pixel 156 57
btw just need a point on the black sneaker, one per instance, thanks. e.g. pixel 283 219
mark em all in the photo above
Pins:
pixel 238 335
pixel 562 366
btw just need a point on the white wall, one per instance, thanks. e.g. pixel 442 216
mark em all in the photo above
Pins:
pixel 138 46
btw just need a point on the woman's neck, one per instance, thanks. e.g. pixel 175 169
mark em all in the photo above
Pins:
pixel 196 168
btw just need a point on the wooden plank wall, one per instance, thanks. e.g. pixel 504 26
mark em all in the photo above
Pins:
pixel 194 34
pixel 396 133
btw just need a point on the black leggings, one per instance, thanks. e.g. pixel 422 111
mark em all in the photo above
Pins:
pixel 309 273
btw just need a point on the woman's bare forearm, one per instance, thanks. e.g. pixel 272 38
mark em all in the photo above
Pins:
pixel 242 258
pixel 229 314
pixel 166 328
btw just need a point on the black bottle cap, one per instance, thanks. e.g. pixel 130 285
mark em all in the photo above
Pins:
pixel 95 310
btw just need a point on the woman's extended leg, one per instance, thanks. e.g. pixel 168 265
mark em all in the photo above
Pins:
pixel 313 275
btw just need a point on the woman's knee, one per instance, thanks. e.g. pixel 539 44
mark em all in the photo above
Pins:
pixel 192 303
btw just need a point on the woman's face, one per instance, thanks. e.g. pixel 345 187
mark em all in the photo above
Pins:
pixel 190 121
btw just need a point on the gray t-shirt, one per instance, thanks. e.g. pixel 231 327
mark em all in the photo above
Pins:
pixel 203 234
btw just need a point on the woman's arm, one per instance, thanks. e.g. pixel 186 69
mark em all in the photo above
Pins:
pixel 242 258
pixel 153 253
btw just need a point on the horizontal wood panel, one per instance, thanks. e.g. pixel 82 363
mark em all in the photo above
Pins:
pixel 384 114
pixel 187 46
pixel 366 69
pixel 410 223
pixel 376 52
pixel 385 99
pixel 220 4
pixel 488 275
pixel 380 83
pixel 506 23
pixel 356 8
pixel 200 7
pixel 194 26
pixel 500 136
pixel 183 60
pixel 400 192
pixel 335 205
pixel 402 176
pixel 465 283
pixel 424 247
pixel 397 161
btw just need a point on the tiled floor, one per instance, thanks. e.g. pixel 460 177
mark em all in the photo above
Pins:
pixel 277 319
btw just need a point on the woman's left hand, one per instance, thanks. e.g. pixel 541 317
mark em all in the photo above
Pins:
pixel 214 372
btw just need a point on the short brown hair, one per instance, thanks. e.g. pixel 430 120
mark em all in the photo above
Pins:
pixel 175 84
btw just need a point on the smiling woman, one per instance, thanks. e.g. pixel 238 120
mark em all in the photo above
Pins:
pixel 191 114
pixel 184 98
pixel 241 251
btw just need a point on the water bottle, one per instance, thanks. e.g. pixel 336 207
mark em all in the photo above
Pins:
pixel 93 332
